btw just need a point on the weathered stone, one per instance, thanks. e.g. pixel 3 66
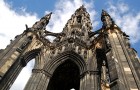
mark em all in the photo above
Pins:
pixel 77 58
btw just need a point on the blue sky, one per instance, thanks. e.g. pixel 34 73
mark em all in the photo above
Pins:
pixel 39 7
pixel 16 13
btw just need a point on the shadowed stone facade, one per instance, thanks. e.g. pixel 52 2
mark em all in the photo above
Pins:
pixel 77 58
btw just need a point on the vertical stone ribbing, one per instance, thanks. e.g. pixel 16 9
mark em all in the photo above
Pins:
pixel 88 87
pixel 39 86
pixel 10 77
pixel 136 63
pixel 77 44
pixel 38 72
pixel 90 80
pixel 82 83
pixel 36 81
pixel 46 82
pixel 131 73
pixel 122 59
pixel 122 79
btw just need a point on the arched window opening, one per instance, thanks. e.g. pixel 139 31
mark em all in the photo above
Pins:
pixel 79 19
pixel 65 77
pixel 23 77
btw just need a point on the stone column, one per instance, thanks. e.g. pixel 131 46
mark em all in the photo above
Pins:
pixel 38 78
pixel 90 81
pixel 82 83
pixel 91 78
pixel 122 62
pixel 38 81
pixel 9 78
pixel 134 82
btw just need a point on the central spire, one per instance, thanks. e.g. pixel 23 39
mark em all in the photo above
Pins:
pixel 79 20
pixel 78 26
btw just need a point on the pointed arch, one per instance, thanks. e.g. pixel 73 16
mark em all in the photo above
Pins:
pixel 61 58
pixel 65 77
pixel 29 56
pixel 16 68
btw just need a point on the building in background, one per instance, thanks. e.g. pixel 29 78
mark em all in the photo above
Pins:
pixel 77 58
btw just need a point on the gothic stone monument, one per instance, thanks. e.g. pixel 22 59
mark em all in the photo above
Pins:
pixel 77 58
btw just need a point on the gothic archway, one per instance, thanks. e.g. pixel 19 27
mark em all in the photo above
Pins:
pixel 29 56
pixel 65 77
pixel 59 59
pixel 75 67
pixel 16 68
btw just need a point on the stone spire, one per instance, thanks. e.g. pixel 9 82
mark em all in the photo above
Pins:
pixel 81 9
pixel 75 59
pixel 79 25
pixel 106 19
pixel 39 25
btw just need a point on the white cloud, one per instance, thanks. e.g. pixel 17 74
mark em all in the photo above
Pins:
pixel 128 20
pixel 63 11
pixel 23 77
pixel 12 23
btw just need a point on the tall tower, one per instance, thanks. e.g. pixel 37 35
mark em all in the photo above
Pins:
pixel 77 58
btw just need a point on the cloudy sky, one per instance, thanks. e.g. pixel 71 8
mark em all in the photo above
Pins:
pixel 14 14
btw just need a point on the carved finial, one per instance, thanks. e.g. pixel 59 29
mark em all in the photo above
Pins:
pixel 48 16
pixel 106 19
pixel 82 8
pixel 26 26
pixel 104 13
pixel 43 22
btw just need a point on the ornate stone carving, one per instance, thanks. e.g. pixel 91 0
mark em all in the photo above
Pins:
pixel 107 20
pixel 40 25
pixel 99 59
